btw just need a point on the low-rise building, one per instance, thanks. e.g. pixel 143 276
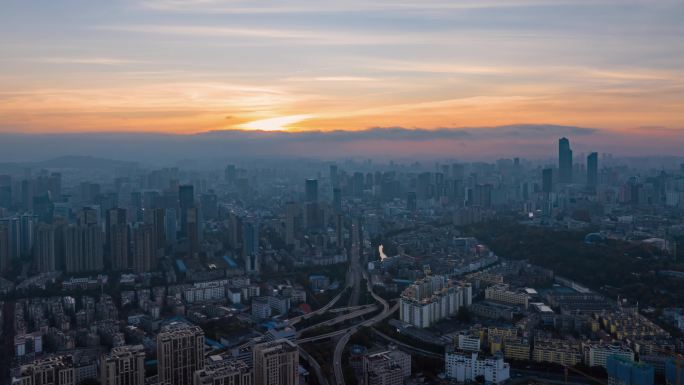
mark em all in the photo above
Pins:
pixel 554 351
pixel 502 293
pixel 516 349
pixel 596 354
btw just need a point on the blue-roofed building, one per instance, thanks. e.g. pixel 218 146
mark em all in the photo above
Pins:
pixel 230 261
pixel 671 373
pixel 623 371
pixel 213 344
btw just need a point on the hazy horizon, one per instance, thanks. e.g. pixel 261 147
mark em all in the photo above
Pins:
pixel 528 141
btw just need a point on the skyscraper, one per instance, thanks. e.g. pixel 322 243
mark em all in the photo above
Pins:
pixel 311 187
pixel 180 352
pixel 275 363
pixel 123 365
pixel 564 161
pixel 592 171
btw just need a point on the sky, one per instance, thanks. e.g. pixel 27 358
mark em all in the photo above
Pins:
pixel 194 66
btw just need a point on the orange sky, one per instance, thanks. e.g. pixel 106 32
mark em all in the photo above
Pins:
pixel 188 67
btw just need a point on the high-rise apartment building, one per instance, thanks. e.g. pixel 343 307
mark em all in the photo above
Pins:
pixel 144 255
pixel 124 365
pixel 117 239
pixel 431 299
pixel 276 363
pixel 55 370
pixel 83 248
pixel 44 248
pixel 180 352
pixel 223 370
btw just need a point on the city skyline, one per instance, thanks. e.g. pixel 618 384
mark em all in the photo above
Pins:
pixel 192 67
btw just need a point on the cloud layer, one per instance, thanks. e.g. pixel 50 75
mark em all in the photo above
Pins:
pixel 475 143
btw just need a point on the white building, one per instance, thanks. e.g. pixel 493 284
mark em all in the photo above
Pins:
pixel 468 342
pixel 389 367
pixel 205 291
pixel 501 293
pixel 466 367
pixel 597 354
pixel 431 299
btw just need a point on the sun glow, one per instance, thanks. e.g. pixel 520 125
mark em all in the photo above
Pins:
pixel 281 123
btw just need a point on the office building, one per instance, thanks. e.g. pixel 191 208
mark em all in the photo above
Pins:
pixel 180 352
pixel 564 161
pixel 466 367
pixel 276 363
pixel 124 365
pixel 624 371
